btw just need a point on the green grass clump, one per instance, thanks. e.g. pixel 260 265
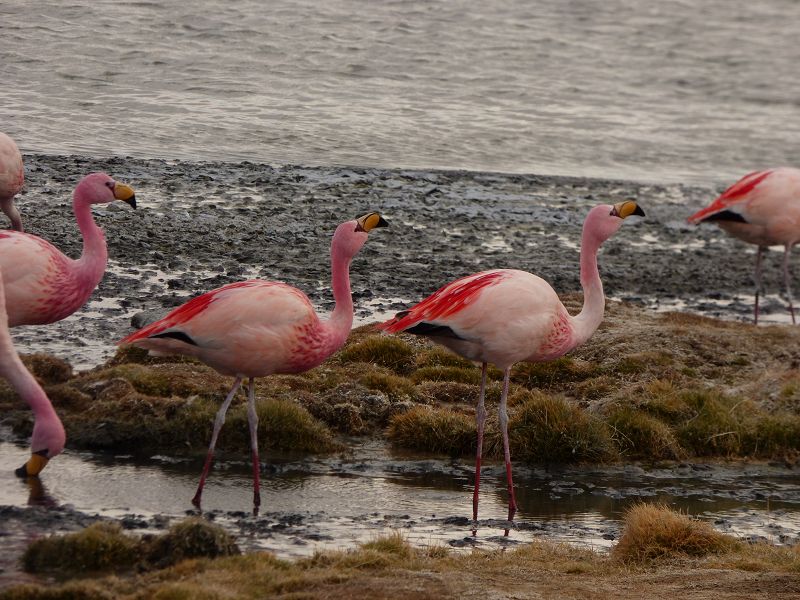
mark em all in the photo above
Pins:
pixel 433 430
pixel 100 547
pixel 549 429
pixel 191 538
pixel 714 429
pixel 653 532
pixel 447 392
pixel 437 356
pixel 386 351
pixel 552 374
pixel 771 435
pixel 640 435
pixel 394 386
pixel 469 375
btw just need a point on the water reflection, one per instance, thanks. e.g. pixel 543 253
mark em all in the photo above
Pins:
pixel 313 503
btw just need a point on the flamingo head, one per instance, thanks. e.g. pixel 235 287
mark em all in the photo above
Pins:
pixel 47 441
pixel 99 188
pixel 351 235
pixel 604 220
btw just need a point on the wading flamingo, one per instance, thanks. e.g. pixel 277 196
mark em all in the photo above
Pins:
pixel 42 285
pixel 12 177
pixel 48 434
pixel 505 316
pixel 762 208
pixel 256 328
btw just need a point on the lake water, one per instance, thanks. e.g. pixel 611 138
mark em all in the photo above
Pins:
pixel 666 91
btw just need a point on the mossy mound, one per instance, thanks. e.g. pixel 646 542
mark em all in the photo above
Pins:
pixel 191 538
pixel 434 430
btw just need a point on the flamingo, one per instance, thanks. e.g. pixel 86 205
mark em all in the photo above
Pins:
pixel 48 433
pixel 255 328
pixel 12 177
pixel 505 316
pixel 42 285
pixel 762 208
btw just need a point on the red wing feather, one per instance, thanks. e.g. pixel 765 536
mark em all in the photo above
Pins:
pixel 444 302
pixel 185 312
pixel 735 193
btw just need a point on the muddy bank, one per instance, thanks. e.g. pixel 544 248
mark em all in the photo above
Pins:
pixel 201 225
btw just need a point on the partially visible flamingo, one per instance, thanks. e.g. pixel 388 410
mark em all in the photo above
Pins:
pixel 12 178
pixel 762 208
pixel 256 328
pixel 42 285
pixel 48 433
pixel 505 316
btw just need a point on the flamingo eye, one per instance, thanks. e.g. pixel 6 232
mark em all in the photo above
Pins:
pixel 110 185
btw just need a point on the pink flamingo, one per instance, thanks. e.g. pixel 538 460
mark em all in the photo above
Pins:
pixel 48 433
pixel 42 285
pixel 762 208
pixel 505 316
pixel 12 177
pixel 256 328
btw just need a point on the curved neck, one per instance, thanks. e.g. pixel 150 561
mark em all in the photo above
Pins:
pixel 594 301
pixel 92 263
pixel 341 319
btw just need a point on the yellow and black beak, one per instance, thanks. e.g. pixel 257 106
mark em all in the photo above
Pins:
pixel 34 466
pixel 370 221
pixel 626 208
pixel 125 193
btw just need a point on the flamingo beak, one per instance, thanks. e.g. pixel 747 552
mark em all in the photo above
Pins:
pixel 125 193
pixel 626 209
pixel 370 221
pixel 34 466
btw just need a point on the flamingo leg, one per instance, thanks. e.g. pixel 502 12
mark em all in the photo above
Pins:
pixel 220 419
pixel 252 421
pixel 480 418
pixel 759 255
pixel 512 501
pixel 787 279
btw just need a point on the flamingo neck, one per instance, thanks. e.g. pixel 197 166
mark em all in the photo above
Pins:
pixel 588 320
pixel 341 319
pixel 92 263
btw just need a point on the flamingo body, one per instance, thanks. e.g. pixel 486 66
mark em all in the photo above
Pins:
pixel 12 178
pixel 255 328
pixel 252 328
pixel 506 316
pixel 762 208
pixel 42 285
pixel 526 321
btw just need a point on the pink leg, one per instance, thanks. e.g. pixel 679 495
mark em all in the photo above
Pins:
pixel 480 418
pixel 217 426
pixel 512 501
pixel 252 420
pixel 787 279
pixel 758 280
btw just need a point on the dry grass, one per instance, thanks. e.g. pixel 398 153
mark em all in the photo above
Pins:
pixel 434 430
pixel 388 567
pixel 652 532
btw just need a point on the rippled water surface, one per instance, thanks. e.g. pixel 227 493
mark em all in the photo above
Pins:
pixel 672 90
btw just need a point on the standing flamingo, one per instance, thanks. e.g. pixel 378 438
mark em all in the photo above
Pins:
pixel 42 285
pixel 48 433
pixel 762 208
pixel 12 177
pixel 505 316
pixel 256 328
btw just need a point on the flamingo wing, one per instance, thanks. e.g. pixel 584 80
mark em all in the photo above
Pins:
pixel 728 206
pixel 430 316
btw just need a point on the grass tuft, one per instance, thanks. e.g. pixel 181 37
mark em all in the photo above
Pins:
pixel 433 430
pixel 654 531
pixel 100 547
pixel 640 435
pixel 383 350
pixel 191 538
pixel 469 375
pixel 548 429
